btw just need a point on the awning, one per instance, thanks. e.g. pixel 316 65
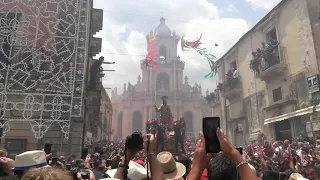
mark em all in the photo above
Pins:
pixel 297 113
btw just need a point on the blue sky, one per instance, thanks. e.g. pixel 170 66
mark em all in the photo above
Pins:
pixel 244 10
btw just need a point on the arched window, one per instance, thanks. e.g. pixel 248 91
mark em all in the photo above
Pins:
pixel 163 51
pixel 163 82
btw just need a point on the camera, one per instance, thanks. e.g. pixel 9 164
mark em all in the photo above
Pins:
pixel 75 170
pixel 134 141
pixel 77 166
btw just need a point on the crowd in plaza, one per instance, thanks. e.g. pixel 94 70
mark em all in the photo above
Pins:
pixel 108 160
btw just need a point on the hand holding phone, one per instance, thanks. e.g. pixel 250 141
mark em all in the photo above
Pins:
pixel 47 148
pixel 210 126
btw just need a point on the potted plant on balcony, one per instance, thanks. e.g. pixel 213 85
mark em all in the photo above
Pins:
pixel 220 87
pixel 211 98
pixel 255 63
pixel 269 54
pixel 231 81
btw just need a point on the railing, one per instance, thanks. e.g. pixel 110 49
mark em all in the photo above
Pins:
pixel 278 56
pixel 232 83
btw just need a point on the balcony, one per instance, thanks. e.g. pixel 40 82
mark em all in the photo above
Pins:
pixel 275 66
pixel 96 20
pixel 232 88
pixel 213 99
pixel 287 101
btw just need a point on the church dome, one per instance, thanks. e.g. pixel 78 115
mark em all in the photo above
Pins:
pixel 162 29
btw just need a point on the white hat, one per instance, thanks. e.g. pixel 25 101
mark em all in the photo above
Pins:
pixel 135 171
pixel 30 159
pixel 171 168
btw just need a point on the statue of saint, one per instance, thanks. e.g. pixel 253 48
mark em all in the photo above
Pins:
pixel 165 112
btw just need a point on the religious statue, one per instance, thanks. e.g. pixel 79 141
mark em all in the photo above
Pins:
pixel 165 112
pixel 125 87
pixel 95 69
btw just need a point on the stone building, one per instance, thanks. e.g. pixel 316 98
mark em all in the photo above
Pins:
pixel 270 97
pixel 45 47
pixel 99 118
pixel 135 105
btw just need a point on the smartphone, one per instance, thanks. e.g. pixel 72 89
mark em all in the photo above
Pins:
pixel 54 161
pixel 240 149
pixel 210 126
pixel 47 148
pixel 84 153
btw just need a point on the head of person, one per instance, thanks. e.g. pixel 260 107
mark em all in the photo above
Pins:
pixel 28 160
pixel 286 143
pixel 310 173
pixel 187 164
pixel 222 168
pixel 47 173
pixel 62 159
pixel 270 175
pixel 3 153
pixel 164 100
pixel 101 59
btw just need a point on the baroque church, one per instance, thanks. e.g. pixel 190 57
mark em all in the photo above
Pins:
pixel 135 105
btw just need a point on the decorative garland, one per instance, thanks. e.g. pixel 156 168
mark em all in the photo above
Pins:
pixel 196 45
pixel 231 82
pixel 152 55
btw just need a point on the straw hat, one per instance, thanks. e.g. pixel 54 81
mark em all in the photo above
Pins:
pixel 30 159
pixel 135 171
pixel 296 176
pixel 171 168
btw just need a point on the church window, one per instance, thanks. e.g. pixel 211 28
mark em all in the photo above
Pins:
pixel 163 51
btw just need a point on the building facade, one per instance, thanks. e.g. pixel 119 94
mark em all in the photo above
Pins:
pixel 135 105
pixel 44 59
pixel 102 130
pixel 264 76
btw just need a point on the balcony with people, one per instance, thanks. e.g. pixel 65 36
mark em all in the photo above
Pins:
pixel 213 98
pixel 231 86
pixel 269 61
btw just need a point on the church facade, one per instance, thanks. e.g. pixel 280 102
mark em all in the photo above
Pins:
pixel 135 105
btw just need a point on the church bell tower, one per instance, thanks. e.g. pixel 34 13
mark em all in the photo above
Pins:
pixel 170 76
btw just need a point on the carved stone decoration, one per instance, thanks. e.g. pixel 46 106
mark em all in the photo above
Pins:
pixel 42 60
pixel 139 79
pixel 186 80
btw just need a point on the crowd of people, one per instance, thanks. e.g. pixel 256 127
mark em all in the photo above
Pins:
pixel 278 160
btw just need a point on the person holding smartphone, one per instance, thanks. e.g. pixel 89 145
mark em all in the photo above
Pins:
pixel 201 159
